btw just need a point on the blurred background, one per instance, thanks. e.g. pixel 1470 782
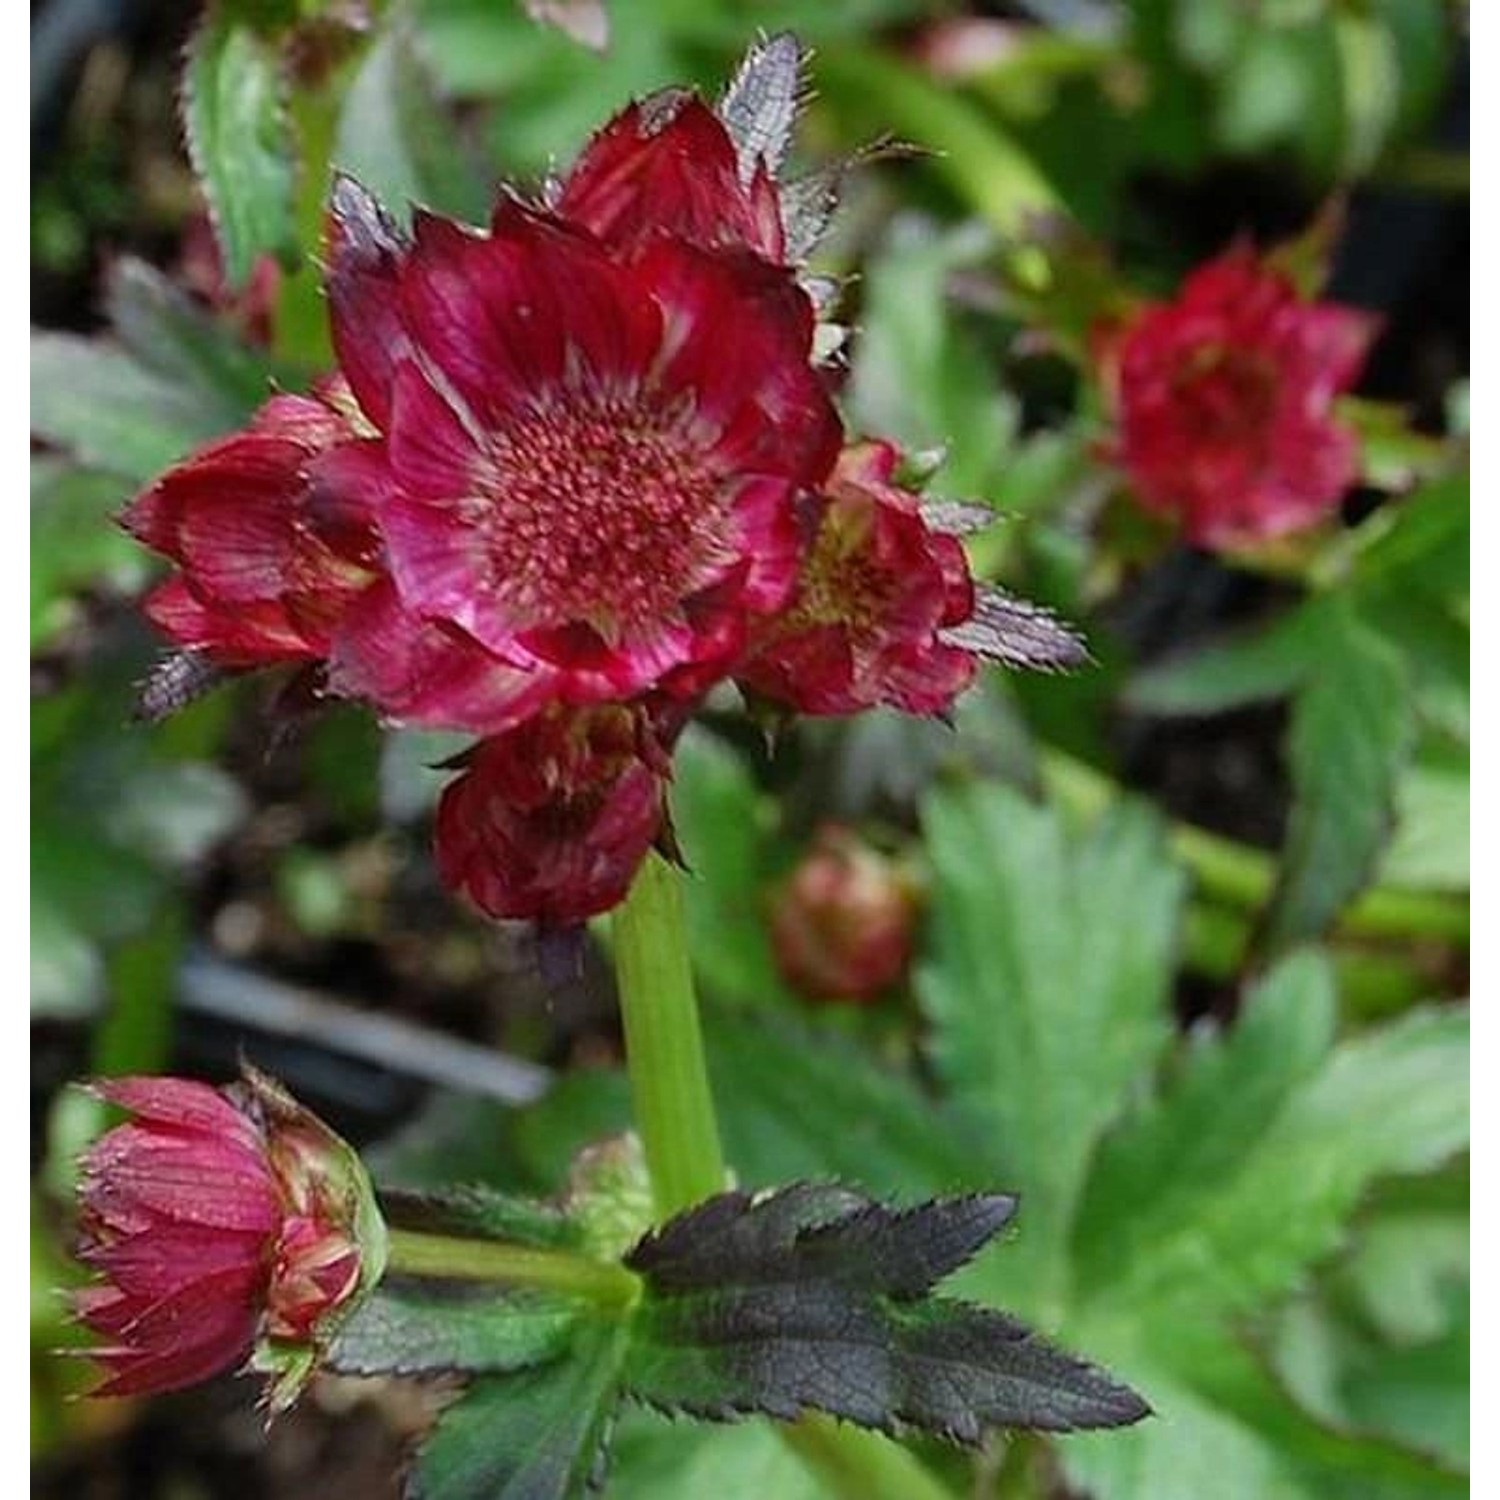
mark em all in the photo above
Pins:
pixel 245 880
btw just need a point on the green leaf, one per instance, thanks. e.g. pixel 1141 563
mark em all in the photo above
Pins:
pixel 723 826
pixel 1353 730
pixel 533 1435
pixel 395 137
pixel 75 544
pixel 99 404
pixel 1212 1214
pixel 1257 665
pixel 169 335
pixel 814 1297
pixel 239 137
pixel 1046 986
pixel 409 1327
pixel 919 373
pixel 1231 1432
pixel 654 1458
pixel 798 1099
pixel 1431 844
pixel 1158 1177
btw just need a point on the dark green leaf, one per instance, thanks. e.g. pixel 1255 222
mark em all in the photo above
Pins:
pixel 813 1296
pixel 1353 729
pixel 240 140
pixel 1046 985
pixel 533 1435
pixel 408 1327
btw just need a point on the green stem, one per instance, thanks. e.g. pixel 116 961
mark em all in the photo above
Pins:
pixel 674 1110
pixel 1239 876
pixel 301 319
pixel 861 1465
pixel 674 1115
pixel 452 1256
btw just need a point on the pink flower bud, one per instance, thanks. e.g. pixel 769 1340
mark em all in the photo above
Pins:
pixel 841 926
pixel 218 1220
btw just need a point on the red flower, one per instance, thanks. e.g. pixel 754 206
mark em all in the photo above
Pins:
pixel 669 164
pixel 841 926
pixel 581 483
pixel 268 565
pixel 216 1218
pixel 875 593
pixel 1225 403
pixel 550 820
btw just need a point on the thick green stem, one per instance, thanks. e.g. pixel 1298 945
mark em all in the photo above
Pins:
pixel 861 1465
pixel 674 1111
pixel 452 1257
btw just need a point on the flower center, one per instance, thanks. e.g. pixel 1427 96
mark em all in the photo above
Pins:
pixel 599 515
pixel 1229 393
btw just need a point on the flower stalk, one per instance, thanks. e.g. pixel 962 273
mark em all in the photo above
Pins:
pixel 674 1110
pixel 413 1253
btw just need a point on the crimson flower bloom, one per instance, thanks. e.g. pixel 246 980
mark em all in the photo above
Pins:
pixel 264 576
pixel 877 589
pixel 579 481
pixel 1225 402
pixel 549 820
pixel 217 1218
pixel 575 469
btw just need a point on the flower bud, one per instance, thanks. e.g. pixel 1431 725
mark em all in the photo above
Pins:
pixel 223 1223
pixel 841 926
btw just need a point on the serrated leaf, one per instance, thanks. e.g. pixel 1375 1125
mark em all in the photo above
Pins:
pixel 1157 1177
pixel 1046 987
pixel 798 1099
pixel 1353 730
pixel 533 1435
pixel 100 405
pixel 239 138
pixel 395 137
pixel 813 1297
pixel 1230 1432
pixel 408 1327
pixel 1291 1159
pixel 759 107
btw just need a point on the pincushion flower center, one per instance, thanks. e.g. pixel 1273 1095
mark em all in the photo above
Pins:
pixel 600 516
pixel 841 584
pixel 1229 393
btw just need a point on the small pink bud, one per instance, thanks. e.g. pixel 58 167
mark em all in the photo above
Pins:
pixel 841 926
pixel 219 1220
